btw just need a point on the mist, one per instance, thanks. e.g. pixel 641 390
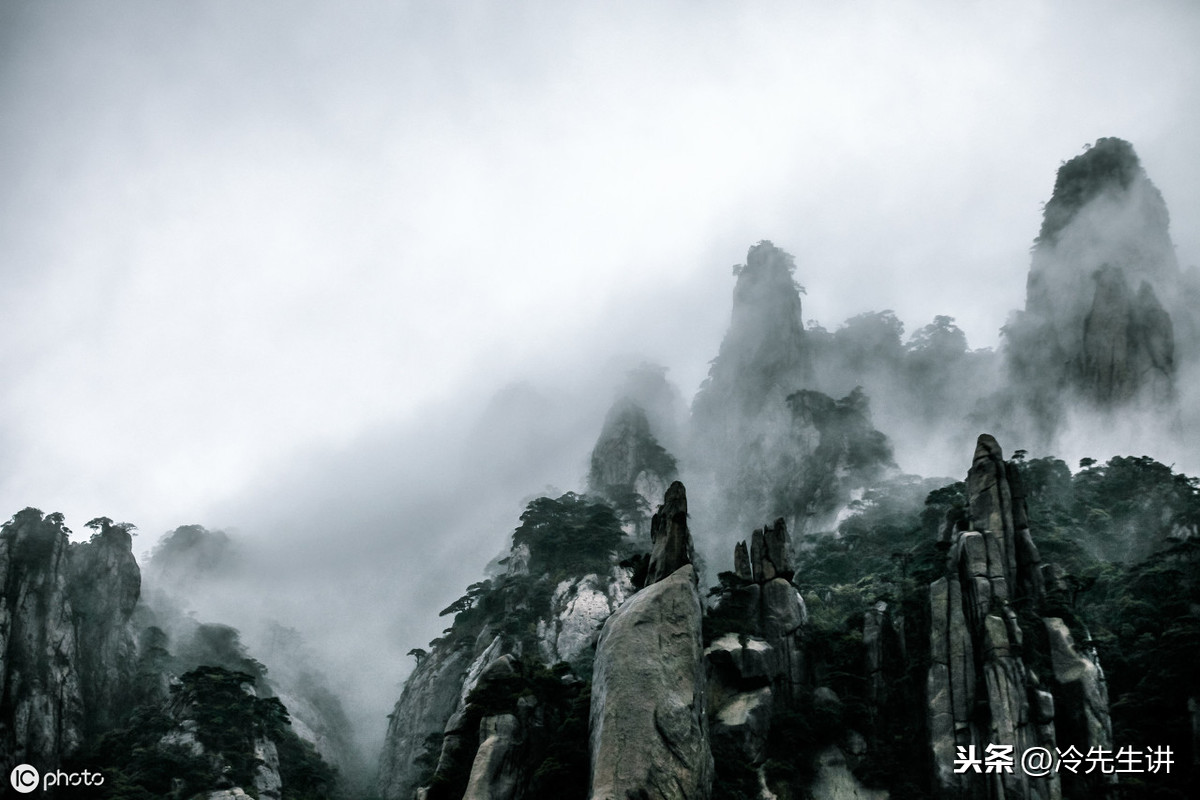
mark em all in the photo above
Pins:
pixel 353 287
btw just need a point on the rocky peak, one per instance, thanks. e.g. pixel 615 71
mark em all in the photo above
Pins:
pixel 628 466
pixel 763 604
pixel 1094 327
pixel 67 649
pixel 1108 169
pixel 671 541
pixel 763 354
pixel 769 553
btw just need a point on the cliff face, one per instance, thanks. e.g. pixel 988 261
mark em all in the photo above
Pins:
pixel 881 663
pixel 42 699
pixel 1104 307
pixel 87 685
pixel 66 642
pixel 507 686
pixel 103 587
pixel 986 631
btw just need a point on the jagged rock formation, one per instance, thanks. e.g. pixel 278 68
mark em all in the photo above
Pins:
pixel 985 627
pixel 771 443
pixel 649 727
pixel 829 451
pixel 670 541
pixel 629 467
pixel 777 728
pixel 761 662
pixel 1105 302
pixel 66 645
pixel 506 687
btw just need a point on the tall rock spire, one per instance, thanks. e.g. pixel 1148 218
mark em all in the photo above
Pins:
pixel 985 629
pixel 1102 304
pixel 763 355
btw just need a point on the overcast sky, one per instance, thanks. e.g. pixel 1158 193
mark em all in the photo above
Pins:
pixel 264 260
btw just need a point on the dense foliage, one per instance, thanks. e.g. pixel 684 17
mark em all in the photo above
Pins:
pixel 573 534
pixel 567 537
pixel 1143 615
pixel 1124 533
pixel 204 738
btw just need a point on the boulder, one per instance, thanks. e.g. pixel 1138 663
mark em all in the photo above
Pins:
pixel 649 730
pixel 742 724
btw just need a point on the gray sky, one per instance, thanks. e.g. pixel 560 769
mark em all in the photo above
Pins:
pixel 265 263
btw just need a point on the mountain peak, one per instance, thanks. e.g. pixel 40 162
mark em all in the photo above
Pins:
pixel 1109 166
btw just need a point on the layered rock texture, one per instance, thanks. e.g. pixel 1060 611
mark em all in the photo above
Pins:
pixel 1107 310
pixel 985 632
pixel 104 586
pixel 767 614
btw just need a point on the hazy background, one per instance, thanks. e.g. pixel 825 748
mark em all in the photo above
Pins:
pixel 354 283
